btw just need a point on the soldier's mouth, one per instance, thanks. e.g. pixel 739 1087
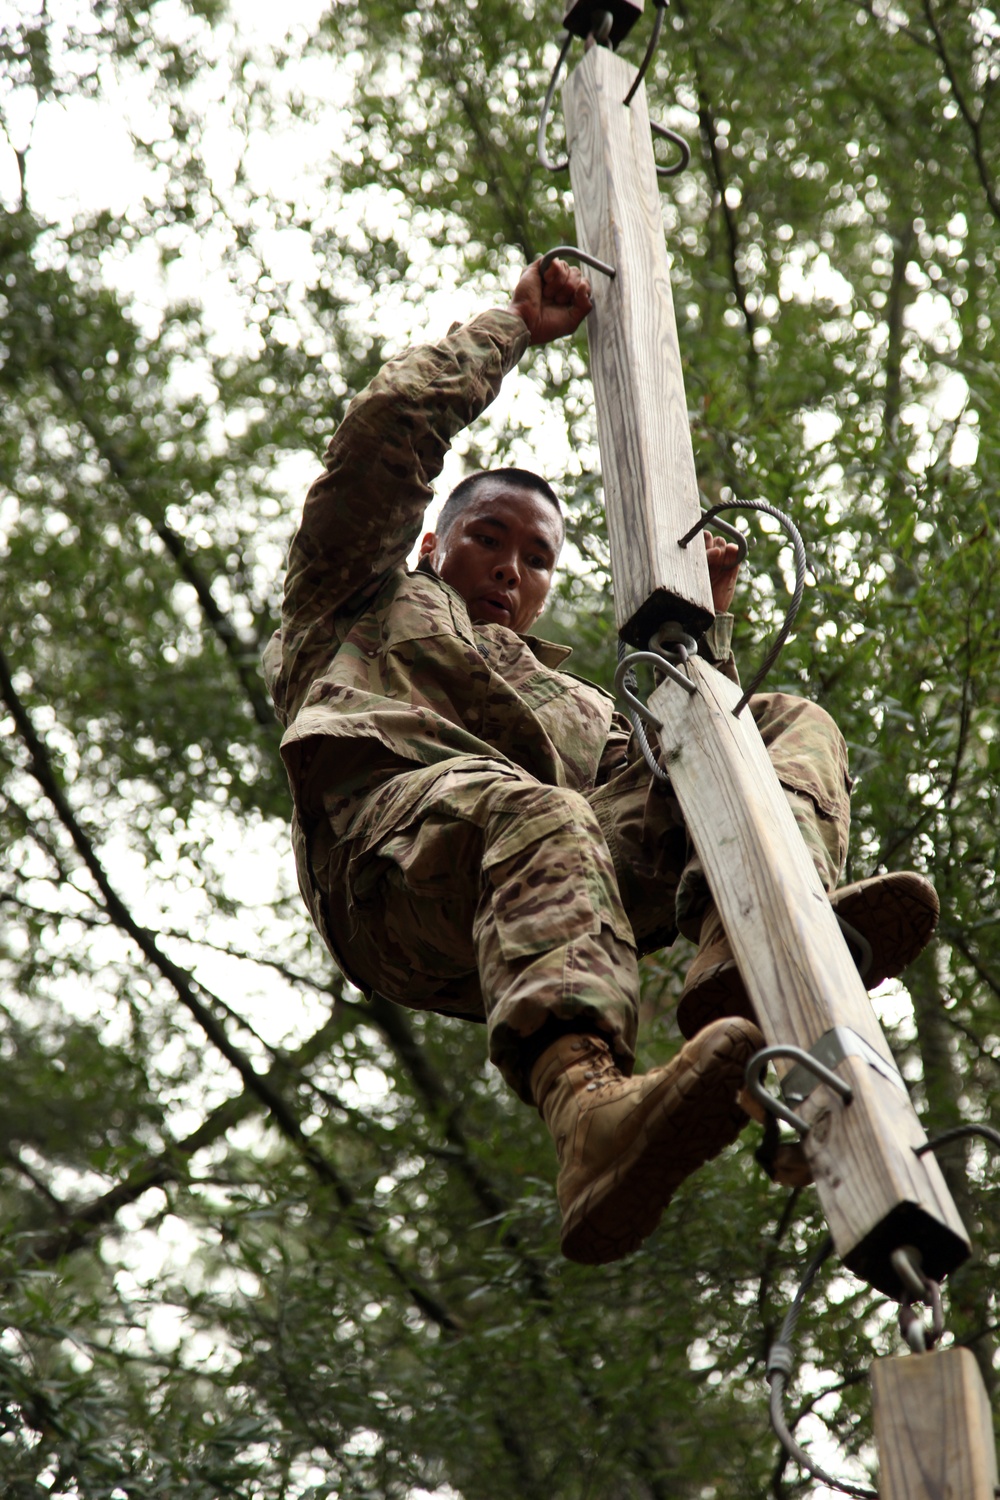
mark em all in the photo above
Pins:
pixel 498 606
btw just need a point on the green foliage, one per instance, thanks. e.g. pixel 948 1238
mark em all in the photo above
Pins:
pixel 259 1239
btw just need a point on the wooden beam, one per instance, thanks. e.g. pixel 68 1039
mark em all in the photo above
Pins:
pixel 650 486
pixel 876 1192
pixel 933 1428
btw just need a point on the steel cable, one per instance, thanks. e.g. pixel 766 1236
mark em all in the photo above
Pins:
pixel 780 1363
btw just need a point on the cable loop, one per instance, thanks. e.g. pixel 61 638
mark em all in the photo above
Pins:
pixel 800 580
pixel 662 663
pixel 666 655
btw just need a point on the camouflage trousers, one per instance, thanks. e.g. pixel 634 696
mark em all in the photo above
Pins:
pixel 469 887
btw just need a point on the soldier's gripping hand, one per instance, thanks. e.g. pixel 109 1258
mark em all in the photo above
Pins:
pixel 554 305
pixel 723 566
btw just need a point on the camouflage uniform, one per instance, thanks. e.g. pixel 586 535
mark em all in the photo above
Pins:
pixel 473 830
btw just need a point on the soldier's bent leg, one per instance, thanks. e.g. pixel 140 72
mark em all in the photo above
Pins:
pixel 891 917
pixel 553 943
pixel 648 842
pixel 624 1144
pixel 470 887
pixel 478 863
pixel 809 756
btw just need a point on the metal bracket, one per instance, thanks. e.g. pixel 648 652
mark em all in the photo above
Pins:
pixel 821 1074
pixel 831 1049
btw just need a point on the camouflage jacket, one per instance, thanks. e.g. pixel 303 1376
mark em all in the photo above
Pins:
pixel 376 669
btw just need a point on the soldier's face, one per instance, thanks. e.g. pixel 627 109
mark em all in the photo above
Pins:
pixel 500 554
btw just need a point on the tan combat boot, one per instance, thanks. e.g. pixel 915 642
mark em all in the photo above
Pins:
pixel 895 914
pixel 626 1144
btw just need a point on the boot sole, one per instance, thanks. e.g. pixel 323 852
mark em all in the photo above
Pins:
pixel 623 1206
pixel 898 920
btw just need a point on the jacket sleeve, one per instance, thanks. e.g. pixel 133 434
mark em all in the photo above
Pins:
pixel 364 513
pixel 716 646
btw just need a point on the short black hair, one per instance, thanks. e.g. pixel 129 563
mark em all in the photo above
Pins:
pixel 518 479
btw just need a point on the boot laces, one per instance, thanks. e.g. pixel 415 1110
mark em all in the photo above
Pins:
pixel 603 1069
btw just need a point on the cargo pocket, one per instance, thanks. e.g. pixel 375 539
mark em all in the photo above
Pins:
pixel 414 897
pixel 551 880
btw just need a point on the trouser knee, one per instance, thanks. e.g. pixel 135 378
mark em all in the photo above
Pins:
pixel 553 943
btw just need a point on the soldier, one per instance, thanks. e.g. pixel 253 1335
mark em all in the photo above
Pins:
pixel 474 831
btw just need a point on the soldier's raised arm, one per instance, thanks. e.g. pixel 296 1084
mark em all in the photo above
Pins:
pixel 363 514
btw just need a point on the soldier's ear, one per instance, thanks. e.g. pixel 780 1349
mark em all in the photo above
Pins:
pixel 428 545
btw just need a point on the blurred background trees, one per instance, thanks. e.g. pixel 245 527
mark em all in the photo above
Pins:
pixel 259 1237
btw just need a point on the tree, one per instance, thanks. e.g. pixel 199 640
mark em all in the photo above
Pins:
pixel 262 1238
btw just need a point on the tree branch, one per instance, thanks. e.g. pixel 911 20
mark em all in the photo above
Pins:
pixel 189 993
pixel 973 122
pixel 85 1222
pixel 242 654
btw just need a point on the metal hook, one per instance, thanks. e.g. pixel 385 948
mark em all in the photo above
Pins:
pixel 588 260
pixel 661 6
pixel 917 1287
pixel 662 665
pixel 677 140
pixel 726 527
pixel 755 1072
pixel 543 118
pixel 800 581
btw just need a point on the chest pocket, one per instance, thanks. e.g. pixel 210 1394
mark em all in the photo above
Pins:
pixel 540 688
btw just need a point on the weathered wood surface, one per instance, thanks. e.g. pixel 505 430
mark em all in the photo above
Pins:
pixel 933 1428
pixel 876 1193
pixel 642 416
